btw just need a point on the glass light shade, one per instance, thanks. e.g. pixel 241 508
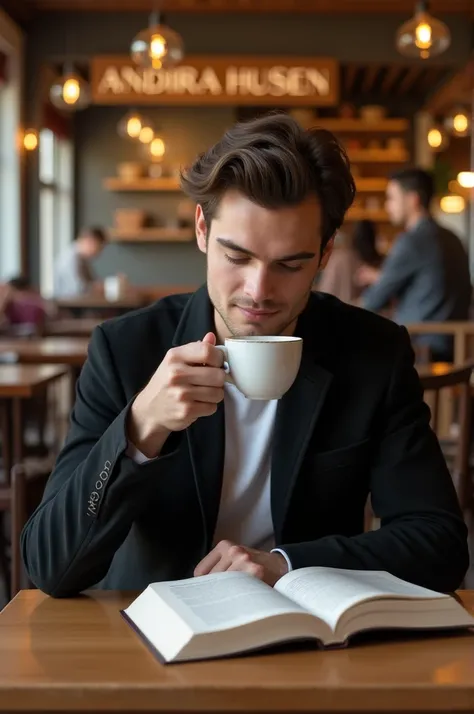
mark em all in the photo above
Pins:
pixel 466 179
pixel 158 47
pixel 452 204
pixel 70 92
pixel 437 138
pixel 458 122
pixel 423 36
pixel 131 125
pixel 30 139
pixel 157 148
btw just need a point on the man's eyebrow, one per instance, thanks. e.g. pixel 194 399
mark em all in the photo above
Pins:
pixel 305 255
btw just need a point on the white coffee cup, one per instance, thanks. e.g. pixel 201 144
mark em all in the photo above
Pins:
pixel 262 367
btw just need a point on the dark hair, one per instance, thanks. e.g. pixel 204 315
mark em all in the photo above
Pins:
pixel 19 283
pixel 413 180
pixel 364 242
pixel 274 162
pixel 96 232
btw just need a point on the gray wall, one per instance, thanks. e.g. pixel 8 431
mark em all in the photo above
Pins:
pixel 361 38
pixel 186 131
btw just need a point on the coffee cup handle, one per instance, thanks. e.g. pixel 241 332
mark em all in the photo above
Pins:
pixel 225 366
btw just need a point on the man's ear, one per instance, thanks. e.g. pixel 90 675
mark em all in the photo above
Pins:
pixel 201 229
pixel 326 253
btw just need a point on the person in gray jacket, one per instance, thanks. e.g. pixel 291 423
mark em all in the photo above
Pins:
pixel 426 275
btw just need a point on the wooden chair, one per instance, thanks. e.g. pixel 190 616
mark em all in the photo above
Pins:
pixel 21 498
pixel 457 378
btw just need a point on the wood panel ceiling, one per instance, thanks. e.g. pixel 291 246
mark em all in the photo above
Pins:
pixel 301 6
pixel 392 81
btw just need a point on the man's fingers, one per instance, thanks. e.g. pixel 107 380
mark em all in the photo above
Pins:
pixel 207 563
pixel 197 353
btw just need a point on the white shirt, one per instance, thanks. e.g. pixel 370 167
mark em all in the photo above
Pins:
pixel 244 516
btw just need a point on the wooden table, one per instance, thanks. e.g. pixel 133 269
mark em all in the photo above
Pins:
pixel 70 351
pixel 98 303
pixel 70 327
pixel 80 655
pixel 19 382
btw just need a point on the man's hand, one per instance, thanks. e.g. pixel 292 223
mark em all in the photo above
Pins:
pixel 268 567
pixel 187 385
pixel 366 275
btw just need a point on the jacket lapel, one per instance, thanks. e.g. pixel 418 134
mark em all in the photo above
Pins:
pixel 297 415
pixel 206 437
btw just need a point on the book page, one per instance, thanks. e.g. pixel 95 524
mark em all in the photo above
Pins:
pixel 329 592
pixel 221 600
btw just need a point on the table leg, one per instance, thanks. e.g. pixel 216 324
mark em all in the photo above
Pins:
pixel 6 438
pixel 17 430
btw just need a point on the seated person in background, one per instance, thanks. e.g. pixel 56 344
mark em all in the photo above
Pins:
pixel 24 309
pixel 73 274
pixel 339 276
pixel 426 274
pixel 169 471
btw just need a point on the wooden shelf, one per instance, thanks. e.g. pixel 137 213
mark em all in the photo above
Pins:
pixel 152 235
pixel 370 185
pixel 376 156
pixel 360 125
pixel 361 214
pixel 142 184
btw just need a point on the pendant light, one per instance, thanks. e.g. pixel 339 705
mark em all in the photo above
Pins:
pixel 135 126
pixel 423 36
pixel 458 122
pixel 158 47
pixel 70 92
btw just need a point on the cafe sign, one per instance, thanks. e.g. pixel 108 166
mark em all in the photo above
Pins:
pixel 224 80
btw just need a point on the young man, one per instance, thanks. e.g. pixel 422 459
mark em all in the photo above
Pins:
pixel 168 471
pixel 426 274
pixel 73 274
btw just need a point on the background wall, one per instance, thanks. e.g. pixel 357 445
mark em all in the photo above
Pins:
pixel 82 35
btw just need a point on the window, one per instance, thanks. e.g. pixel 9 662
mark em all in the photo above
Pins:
pixel 56 203
pixel 11 48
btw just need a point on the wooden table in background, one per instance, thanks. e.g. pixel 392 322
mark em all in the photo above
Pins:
pixel 17 383
pixel 79 655
pixel 98 303
pixel 66 351
pixel 70 327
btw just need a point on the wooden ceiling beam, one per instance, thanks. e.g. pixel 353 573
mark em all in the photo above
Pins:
pixel 458 89
pixel 370 75
pixel 393 73
pixel 300 6
pixel 413 74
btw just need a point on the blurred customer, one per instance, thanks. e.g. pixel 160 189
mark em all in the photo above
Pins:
pixel 339 276
pixel 73 273
pixel 23 308
pixel 426 273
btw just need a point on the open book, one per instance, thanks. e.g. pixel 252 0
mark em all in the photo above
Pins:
pixel 228 613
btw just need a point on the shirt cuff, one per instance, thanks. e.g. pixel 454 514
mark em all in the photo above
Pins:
pixel 288 561
pixel 136 455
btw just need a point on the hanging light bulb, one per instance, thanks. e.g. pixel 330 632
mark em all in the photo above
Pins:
pixel 466 179
pixel 423 36
pixel 158 46
pixel 157 148
pixel 131 125
pixel 451 203
pixel 437 138
pixel 70 92
pixel 30 139
pixel 458 122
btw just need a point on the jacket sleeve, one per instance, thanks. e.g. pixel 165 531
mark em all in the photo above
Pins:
pixel 397 270
pixel 94 492
pixel 423 538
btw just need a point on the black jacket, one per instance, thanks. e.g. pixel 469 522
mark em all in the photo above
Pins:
pixel 353 422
